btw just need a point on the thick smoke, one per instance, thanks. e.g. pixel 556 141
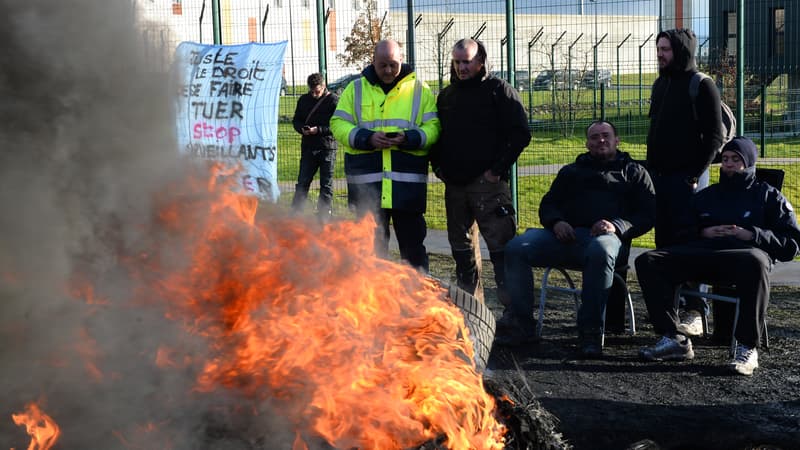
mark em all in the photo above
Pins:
pixel 86 143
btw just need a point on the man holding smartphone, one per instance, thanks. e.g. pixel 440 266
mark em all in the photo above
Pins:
pixel 386 121
pixel 318 146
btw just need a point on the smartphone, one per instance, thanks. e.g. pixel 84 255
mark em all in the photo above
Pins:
pixel 392 134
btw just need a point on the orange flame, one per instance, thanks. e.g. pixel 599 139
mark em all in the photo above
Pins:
pixel 356 350
pixel 39 426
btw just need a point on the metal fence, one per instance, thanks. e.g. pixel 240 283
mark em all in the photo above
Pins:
pixel 604 48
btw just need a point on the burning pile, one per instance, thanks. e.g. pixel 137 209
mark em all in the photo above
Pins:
pixel 354 351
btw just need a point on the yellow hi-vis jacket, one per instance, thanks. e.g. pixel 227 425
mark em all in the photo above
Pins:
pixel 397 176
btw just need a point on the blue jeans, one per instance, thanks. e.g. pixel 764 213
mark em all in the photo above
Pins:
pixel 596 255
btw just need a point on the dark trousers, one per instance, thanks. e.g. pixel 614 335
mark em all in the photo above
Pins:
pixel 409 228
pixel 489 206
pixel 673 194
pixel 660 272
pixel 310 162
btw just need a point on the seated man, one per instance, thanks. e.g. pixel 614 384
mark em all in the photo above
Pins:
pixel 593 209
pixel 733 231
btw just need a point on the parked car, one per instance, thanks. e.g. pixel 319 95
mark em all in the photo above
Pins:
pixel 521 78
pixel 338 85
pixel 560 78
pixel 603 78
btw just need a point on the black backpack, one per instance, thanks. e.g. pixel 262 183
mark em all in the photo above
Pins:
pixel 728 117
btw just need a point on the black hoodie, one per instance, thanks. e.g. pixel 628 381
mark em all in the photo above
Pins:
pixel 676 142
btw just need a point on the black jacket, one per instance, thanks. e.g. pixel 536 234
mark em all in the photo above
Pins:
pixel 589 190
pixel 484 126
pixel 321 118
pixel 676 142
pixel 742 200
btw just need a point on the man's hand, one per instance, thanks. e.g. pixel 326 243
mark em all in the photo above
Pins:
pixel 380 140
pixel 307 131
pixel 602 226
pixel 564 232
pixel 727 230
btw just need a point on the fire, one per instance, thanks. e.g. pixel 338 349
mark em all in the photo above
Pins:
pixel 356 350
pixel 39 426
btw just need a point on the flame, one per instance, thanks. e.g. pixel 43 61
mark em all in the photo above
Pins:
pixel 39 426
pixel 356 350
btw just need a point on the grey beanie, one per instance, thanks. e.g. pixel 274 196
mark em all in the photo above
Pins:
pixel 745 148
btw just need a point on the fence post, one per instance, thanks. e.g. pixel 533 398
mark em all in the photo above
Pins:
pixel 530 74
pixel 322 19
pixel 553 76
pixel 439 37
pixel 594 89
pixel 215 17
pixel 640 71
pixel 619 98
pixel 412 25
pixel 569 76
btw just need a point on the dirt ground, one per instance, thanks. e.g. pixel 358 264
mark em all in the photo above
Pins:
pixel 620 402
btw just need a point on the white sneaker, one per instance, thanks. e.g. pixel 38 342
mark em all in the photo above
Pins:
pixel 691 324
pixel 745 360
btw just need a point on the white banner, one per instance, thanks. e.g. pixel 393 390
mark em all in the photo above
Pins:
pixel 228 108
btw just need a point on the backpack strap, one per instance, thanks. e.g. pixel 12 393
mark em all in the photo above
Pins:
pixel 694 90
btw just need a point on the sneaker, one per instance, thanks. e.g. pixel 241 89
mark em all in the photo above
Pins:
pixel 745 360
pixel 669 349
pixel 691 324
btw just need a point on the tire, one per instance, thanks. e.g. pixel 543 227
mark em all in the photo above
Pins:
pixel 479 320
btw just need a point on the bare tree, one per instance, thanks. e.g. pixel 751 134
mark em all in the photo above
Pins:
pixel 367 31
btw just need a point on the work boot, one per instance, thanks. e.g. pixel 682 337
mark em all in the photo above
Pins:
pixel 467 273
pixel 590 344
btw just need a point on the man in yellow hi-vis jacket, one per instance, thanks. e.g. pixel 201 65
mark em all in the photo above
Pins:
pixel 386 122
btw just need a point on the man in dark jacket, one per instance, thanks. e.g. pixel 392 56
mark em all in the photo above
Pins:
pixel 484 129
pixel 317 146
pixel 734 230
pixel 594 208
pixel 680 148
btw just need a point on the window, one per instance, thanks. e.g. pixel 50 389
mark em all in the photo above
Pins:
pixel 730 34
pixel 778 31
pixel 356 5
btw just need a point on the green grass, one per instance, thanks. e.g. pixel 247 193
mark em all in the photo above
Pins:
pixel 552 145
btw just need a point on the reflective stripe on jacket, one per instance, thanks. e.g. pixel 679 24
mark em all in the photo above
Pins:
pixel 398 175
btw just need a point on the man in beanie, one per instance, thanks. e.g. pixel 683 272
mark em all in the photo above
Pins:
pixel 682 141
pixel 733 232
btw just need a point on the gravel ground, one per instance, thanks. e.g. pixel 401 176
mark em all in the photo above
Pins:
pixel 619 402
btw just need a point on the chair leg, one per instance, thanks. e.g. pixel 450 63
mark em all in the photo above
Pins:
pixel 542 300
pixel 735 324
pixel 631 315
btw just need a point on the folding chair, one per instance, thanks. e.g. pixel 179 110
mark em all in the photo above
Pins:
pixel 727 299
pixel 773 177
pixel 619 277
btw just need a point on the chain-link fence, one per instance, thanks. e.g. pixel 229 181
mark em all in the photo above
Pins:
pixel 574 61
